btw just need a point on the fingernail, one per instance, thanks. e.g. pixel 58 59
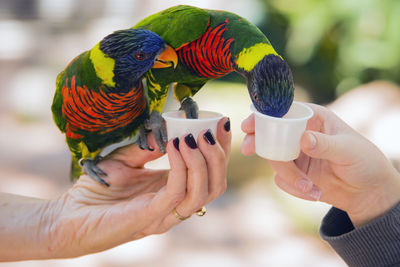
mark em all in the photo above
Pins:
pixel 208 136
pixel 315 193
pixel 227 125
pixel 176 143
pixel 304 185
pixel 189 140
pixel 312 141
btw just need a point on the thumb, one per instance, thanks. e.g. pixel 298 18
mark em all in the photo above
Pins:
pixel 336 148
pixel 134 156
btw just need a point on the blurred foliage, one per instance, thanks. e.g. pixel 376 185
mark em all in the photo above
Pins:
pixel 335 45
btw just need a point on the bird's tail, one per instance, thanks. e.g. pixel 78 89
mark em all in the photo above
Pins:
pixel 76 169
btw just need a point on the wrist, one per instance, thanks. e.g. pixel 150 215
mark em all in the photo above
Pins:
pixel 25 227
pixel 377 202
pixel 49 229
pixel 41 229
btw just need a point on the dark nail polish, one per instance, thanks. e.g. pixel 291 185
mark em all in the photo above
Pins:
pixel 208 136
pixel 189 140
pixel 227 125
pixel 176 143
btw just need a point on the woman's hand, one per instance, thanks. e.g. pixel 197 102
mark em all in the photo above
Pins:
pixel 91 217
pixel 337 166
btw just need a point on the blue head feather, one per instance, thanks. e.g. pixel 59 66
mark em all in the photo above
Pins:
pixel 270 86
pixel 134 52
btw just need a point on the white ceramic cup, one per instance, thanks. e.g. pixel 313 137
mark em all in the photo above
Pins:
pixel 279 138
pixel 178 125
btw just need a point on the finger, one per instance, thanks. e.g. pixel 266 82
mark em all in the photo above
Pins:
pixel 248 124
pixel 315 123
pixel 197 183
pixel 303 162
pixel 197 173
pixel 320 112
pixel 292 175
pixel 327 121
pixel 248 145
pixel 314 194
pixel 216 164
pixel 334 148
pixel 133 156
pixel 175 190
pixel 224 135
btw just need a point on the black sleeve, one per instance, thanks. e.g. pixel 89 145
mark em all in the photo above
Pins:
pixel 374 244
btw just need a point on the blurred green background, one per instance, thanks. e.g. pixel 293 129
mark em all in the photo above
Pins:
pixel 334 47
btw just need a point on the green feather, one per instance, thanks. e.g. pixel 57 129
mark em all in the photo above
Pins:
pixel 57 104
pixel 177 25
pixel 180 25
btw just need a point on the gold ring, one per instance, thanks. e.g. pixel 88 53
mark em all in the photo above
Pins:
pixel 201 212
pixel 180 217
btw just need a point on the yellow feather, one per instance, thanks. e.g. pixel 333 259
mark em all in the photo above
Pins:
pixel 103 65
pixel 153 85
pixel 86 154
pixel 156 104
pixel 249 57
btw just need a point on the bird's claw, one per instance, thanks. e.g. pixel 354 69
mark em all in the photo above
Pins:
pixel 89 166
pixel 142 139
pixel 190 107
pixel 154 123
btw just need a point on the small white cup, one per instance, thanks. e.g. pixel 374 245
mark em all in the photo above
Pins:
pixel 279 138
pixel 178 125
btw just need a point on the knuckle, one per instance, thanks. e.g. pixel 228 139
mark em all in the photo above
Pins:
pixel 218 159
pixel 198 168
pixel 218 192
pixel 198 203
pixel 325 147
pixel 177 198
pixel 277 180
pixel 223 187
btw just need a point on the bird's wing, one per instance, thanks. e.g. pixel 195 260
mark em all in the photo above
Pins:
pixel 56 107
pixel 177 25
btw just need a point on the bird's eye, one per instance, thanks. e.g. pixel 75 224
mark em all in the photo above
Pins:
pixel 255 96
pixel 139 56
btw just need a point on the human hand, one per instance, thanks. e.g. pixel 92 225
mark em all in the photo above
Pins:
pixel 91 218
pixel 337 166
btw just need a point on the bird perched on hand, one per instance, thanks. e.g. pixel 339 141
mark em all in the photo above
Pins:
pixel 211 44
pixel 99 98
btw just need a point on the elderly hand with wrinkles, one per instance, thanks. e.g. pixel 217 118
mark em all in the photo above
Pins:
pixel 90 218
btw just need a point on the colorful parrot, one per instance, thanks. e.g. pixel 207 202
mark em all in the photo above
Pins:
pixel 99 98
pixel 211 44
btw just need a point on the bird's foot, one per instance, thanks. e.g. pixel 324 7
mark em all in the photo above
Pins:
pixel 156 124
pixel 89 166
pixel 190 107
pixel 142 139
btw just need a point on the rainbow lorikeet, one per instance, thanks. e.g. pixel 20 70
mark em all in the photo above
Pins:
pixel 211 44
pixel 99 98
